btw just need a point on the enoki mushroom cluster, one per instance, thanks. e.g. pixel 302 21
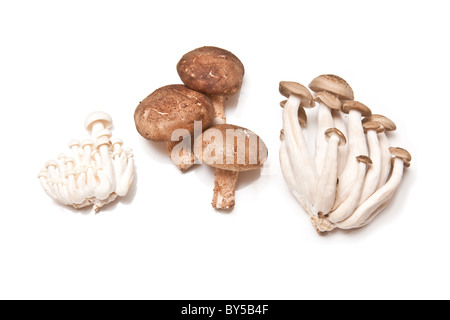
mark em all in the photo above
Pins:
pixel 354 172
pixel 97 171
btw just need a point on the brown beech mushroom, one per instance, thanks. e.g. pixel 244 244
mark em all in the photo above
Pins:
pixel 170 113
pixel 357 147
pixel 341 89
pixel 230 149
pixel 388 125
pixel 212 71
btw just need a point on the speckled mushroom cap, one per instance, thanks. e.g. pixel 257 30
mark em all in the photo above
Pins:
pixel 288 88
pixel 169 108
pixel 243 150
pixel 211 70
pixel 358 106
pixel 333 84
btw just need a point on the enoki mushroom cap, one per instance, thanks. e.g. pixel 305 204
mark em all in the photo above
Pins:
pixel 332 84
pixel 302 117
pixel 358 106
pixel 387 123
pixel 401 154
pixel 232 148
pixel 169 108
pixel 211 70
pixel 328 99
pixel 288 88
pixel 98 116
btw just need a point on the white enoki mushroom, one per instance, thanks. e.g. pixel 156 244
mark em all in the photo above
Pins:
pixel 92 175
pixel 381 198
pixel 357 147
pixel 346 208
pixel 326 188
pixel 373 173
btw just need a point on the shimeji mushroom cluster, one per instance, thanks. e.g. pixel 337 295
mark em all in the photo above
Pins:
pixel 96 172
pixel 175 113
pixel 354 172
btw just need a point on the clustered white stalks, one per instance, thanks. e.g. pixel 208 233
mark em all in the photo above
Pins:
pixel 97 171
pixel 354 173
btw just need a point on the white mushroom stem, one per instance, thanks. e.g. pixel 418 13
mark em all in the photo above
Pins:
pixel 357 147
pixel 124 184
pixel 218 103
pixel 303 166
pixel 324 122
pixel 326 188
pixel 376 202
pixel 224 189
pixel 340 124
pixel 76 197
pixel 386 157
pixel 351 202
pixel 373 173
pixel 288 173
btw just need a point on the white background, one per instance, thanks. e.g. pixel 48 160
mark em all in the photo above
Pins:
pixel 61 60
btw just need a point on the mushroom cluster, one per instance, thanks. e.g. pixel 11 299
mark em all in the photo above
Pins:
pixel 354 172
pixel 181 115
pixel 97 171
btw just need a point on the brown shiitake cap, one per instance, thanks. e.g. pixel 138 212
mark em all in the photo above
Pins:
pixel 402 154
pixel 328 99
pixel 211 70
pixel 302 117
pixel 372 125
pixel 288 88
pixel 358 106
pixel 387 123
pixel 364 159
pixel 342 139
pixel 169 108
pixel 230 150
pixel 333 84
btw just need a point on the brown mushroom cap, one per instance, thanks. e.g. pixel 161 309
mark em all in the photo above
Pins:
pixel 302 117
pixel 342 139
pixel 211 70
pixel 402 154
pixel 328 99
pixel 372 125
pixel 169 108
pixel 358 106
pixel 387 123
pixel 288 88
pixel 364 159
pixel 333 84
pixel 215 139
